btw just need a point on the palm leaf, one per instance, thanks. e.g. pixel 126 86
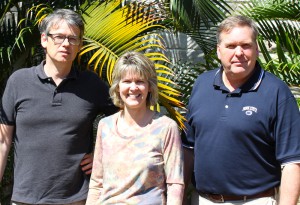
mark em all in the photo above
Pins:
pixel 275 19
pixel 286 65
pixel 198 19
pixel 125 29
pixel 278 22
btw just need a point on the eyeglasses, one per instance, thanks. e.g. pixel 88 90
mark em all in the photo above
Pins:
pixel 59 39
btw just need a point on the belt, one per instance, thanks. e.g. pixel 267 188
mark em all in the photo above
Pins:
pixel 219 198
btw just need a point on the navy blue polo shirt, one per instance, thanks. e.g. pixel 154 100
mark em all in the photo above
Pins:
pixel 241 138
pixel 53 131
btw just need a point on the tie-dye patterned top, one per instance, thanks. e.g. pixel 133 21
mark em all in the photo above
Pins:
pixel 146 168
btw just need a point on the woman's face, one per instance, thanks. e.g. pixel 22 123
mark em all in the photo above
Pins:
pixel 133 91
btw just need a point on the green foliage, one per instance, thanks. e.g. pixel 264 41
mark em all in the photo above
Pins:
pixel 127 28
pixel 199 19
pixel 278 23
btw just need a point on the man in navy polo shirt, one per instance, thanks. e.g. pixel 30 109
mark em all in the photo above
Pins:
pixel 48 110
pixel 243 127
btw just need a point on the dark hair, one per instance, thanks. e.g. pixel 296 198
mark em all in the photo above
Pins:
pixel 70 17
pixel 236 21
pixel 134 63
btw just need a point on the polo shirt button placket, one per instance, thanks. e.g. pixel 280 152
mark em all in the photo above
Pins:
pixel 227 106
pixel 57 98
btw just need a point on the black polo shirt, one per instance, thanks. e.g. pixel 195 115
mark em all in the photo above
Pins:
pixel 54 130
pixel 241 138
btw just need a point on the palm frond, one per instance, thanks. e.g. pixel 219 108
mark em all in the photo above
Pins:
pixel 286 65
pixel 198 19
pixel 275 19
pixel 278 23
pixel 189 14
pixel 125 29
pixel 112 29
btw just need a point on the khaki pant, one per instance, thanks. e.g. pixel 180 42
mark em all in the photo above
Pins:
pixel 198 200
pixel 74 203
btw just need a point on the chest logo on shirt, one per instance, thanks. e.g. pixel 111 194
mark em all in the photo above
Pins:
pixel 249 110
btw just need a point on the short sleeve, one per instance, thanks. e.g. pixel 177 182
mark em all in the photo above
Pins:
pixel 173 155
pixel 8 102
pixel 287 130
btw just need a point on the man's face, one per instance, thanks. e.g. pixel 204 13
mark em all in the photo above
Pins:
pixel 65 51
pixel 238 52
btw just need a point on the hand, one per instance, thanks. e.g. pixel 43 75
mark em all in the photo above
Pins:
pixel 87 163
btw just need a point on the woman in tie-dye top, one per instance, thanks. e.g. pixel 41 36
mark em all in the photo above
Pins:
pixel 138 153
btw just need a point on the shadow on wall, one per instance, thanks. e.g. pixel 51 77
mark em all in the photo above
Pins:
pixel 180 47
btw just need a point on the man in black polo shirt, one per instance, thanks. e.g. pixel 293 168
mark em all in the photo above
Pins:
pixel 243 126
pixel 49 111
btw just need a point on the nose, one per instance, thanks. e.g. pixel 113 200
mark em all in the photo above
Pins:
pixel 66 41
pixel 133 86
pixel 239 51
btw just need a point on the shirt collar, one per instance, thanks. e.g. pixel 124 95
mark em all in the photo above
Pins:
pixel 251 85
pixel 42 75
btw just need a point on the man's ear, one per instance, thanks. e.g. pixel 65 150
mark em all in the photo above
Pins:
pixel 44 40
pixel 218 52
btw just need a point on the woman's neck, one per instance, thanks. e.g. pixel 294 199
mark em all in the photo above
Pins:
pixel 140 118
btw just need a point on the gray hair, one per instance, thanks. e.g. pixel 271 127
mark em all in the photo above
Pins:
pixel 137 64
pixel 70 17
pixel 236 21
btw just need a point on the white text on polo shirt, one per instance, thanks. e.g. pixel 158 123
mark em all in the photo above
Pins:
pixel 249 110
